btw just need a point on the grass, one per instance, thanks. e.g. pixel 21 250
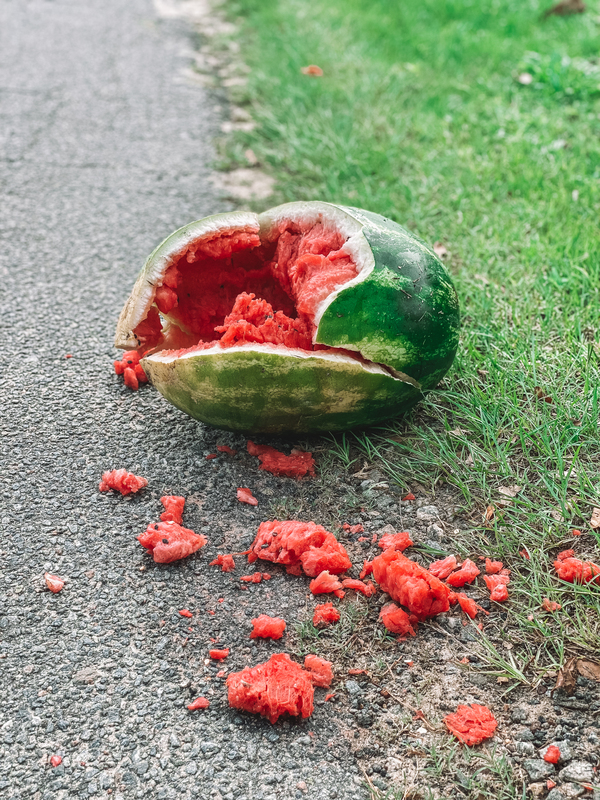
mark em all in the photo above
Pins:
pixel 421 116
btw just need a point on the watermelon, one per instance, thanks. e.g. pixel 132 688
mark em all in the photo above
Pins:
pixel 308 317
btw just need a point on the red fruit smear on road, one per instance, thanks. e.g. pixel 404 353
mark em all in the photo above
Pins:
pixel 210 456
pixel 468 605
pixel 357 672
pixel 300 544
pixel 492 567
pixel 56 761
pixel 256 577
pixel 320 670
pixel 53 582
pixel 246 496
pixel 552 754
pixel 395 541
pixel 221 673
pixel 271 460
pixel 168 541
pixel 224 448
pixel 574 570
pixel 277 687
pixel 329 697
pixel 466 574
pixel 121 481
pixel 185 613
pixel 265 627
pixel 325 614
pixel 266 576
pixel 550 605
pixel 409 496
pixel 396 620
pixel 199 702
pixel 325 583
pixel 409 584
pixel 471 724
pixel 359 586
pixel 366 570
pixel 525 554
pixel 353 528
pixel 173 508
pixel 219 655
pixel 575 532
pixel 224 561
pixel 441 569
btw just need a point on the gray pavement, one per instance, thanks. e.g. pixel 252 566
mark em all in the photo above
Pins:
pixel 104 150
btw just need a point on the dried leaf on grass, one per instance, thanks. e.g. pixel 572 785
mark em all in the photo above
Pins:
pixel 567 677
pixel 510 491
pixel 595 520
pixel 313 70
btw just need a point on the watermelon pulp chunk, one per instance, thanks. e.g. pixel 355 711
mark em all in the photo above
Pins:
pixel 233 289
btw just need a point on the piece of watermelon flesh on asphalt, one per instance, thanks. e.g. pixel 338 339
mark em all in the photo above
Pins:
pixel 232 289
pixel 300 544
pixel 410 584
pixel 277 687
pixel 168 541
pixel 265 627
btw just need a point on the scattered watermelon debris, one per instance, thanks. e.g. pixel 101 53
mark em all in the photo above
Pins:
pixel 277 687
pixel 53 582
pixel 224 448
pixel 441 569
pixel 320 671
pixel 256 577
pixel 185 613
pixel 471 724
pixel 410 584
pixel 121 481
pixel 219 655
pixel 552 754
pixel 395 541
pixel 574 570
pixel 56 761
pixel 325 614
pixel 325 583
pixel 303 545
pixel 265 627
pixel 409 496
pixel 173 506
pixel 396 620
pixel 353 529
pixel 550 605
pixel 224 561
pixel 198 703
pixel 168 541
pixel 296 465
pixel 246 496
pixel 130 368
pixel 466 574
pixel 368 589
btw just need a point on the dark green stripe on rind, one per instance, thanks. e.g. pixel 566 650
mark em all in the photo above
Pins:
pixel 405 314
pixel 271 393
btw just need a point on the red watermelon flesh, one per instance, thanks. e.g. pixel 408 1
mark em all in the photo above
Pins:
pixel 169 542
pixel 320 669
pixel 396 620
pixel 173 508
pixel 304 544
pixel 232 289
pixel 271 460
pixel 265 627
pixel 471 724
pixel 277 687
pixel 325 614
pixel 409 584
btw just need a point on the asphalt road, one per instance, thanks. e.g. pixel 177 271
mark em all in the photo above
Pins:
pixel 104 150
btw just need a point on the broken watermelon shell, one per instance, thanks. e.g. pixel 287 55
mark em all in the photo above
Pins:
pixel 308 317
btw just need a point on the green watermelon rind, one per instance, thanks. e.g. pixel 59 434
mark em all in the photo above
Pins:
pixel 272 389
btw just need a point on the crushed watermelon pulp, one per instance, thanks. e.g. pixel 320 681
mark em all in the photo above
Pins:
pixel 233 289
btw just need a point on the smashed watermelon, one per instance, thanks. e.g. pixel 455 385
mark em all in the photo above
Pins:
pixel 466 574
pixel 308 317
pixel 320 670
pixel 325 583
pixel 265 627
pixel 325 614
pixel 121 481
pixel 409 584
pixel 279 686
pixel 396 620
pixel 441 569
pixel 225 561
pixel 169 541
pixel 396 541
pixel 173 506
pixel 302 545
pixel 471 724
pixel 574 570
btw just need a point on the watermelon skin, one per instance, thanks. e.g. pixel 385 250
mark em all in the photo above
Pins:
pixel 405 314
pixel 400 314
pixel 245 389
